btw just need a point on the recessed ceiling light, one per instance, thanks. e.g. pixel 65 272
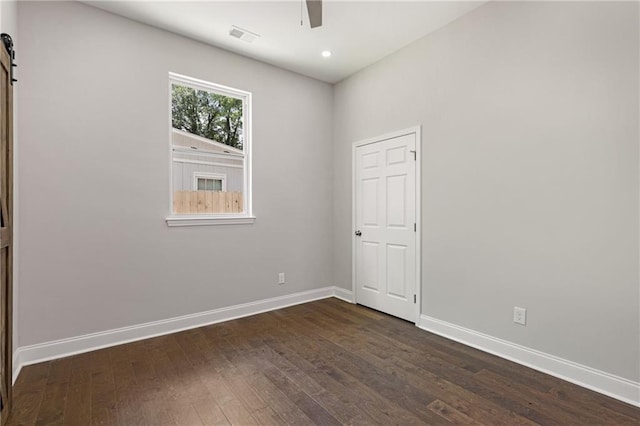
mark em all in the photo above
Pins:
pixel 326 53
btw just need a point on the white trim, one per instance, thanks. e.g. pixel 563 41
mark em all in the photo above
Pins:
pixel 17 366
pixel 212 176
pixel 416 130
pixel 581 375
pixel 16 234
pixel 230 149
pixel 190 151
pixel 201 220
pixel 343 294
pixel 198 84
pixel 418 201
pixel 89 342
pixel 246 217
pixel 207 163
pixel 247 111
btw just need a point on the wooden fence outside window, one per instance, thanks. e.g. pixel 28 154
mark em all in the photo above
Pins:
pixel 207 202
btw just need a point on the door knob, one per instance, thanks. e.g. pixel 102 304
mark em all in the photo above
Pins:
pixel 358 233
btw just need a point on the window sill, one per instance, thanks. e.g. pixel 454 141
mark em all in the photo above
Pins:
pixel 203 220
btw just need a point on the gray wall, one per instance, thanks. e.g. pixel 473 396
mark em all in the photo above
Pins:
pixel 95 251
pixel 530 188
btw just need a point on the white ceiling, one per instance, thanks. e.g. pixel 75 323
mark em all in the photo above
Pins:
pixel 358 33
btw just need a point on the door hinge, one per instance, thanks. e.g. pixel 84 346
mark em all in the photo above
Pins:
pixel 415 227
pixel 414 155
pixel 414 298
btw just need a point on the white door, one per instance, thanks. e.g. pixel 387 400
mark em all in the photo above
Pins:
pixel 385 234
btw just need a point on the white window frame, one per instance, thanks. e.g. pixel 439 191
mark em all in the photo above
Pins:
pixel 212 176
pixel 246 217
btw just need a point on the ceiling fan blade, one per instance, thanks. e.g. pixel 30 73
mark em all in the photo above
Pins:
pixel 314 7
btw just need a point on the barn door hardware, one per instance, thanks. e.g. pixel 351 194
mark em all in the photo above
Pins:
pixel 8 44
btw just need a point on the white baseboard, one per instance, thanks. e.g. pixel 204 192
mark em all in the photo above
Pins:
pixel 590 378
pixel 17 366
pixel 342 294
pixel 89 342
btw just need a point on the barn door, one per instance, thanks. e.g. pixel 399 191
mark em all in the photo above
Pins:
pixel 6 224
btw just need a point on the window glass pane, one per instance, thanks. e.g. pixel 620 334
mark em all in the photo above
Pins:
pixel 208 153
pixel 206 114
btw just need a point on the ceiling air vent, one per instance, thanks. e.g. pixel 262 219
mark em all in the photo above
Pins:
pixel 243 35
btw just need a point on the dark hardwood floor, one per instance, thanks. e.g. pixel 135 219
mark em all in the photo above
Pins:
pixel 326 362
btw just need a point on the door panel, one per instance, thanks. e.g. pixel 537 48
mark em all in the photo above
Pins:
pixel 370 199
pixel 397 201
pixel 396 268
pixel 396 155
pixel 370 160
pixel 385 216
pixel 370 265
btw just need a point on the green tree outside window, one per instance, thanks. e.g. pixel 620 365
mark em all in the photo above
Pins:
pixel 210 115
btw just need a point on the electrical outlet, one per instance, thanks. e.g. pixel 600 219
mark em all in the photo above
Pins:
pixel 519 315
pixel 281 278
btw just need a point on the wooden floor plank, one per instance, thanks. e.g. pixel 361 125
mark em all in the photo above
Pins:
pixel 570 414
pixel 340 406
pixel 78 405
pixel 193 367
pixel 326 362
pixel 372 375
pixel 153 398
pixel 615 412
pixel 370 407
pixel 103 391
pixel 451 414
pixel 128 392
pixel 212 364
pixel 279 402
pixel 366 379
pixel 55 393
pixel 172 383
pixel 358 407
pixel 393 356
pixel 28 393
pixel 455 371
pixel 267 416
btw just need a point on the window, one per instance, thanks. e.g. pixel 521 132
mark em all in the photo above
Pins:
pixel 210 153
pixel 209 181
pixel 205 184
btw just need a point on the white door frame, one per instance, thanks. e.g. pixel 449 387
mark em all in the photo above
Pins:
pixel 411 130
